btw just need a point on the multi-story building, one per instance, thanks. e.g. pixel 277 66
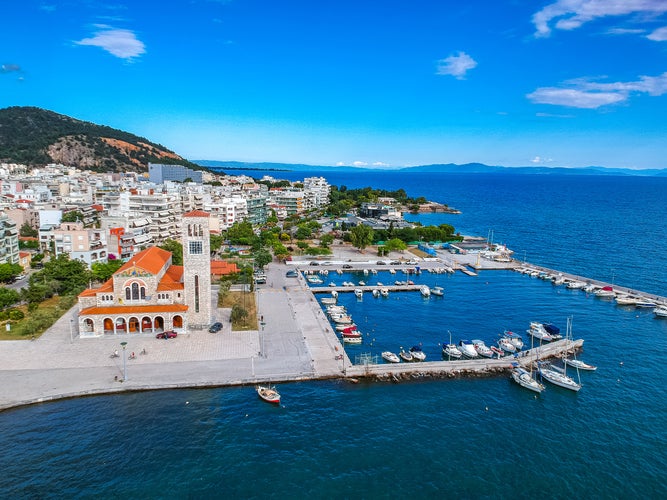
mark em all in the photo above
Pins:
pixel 158 173
pixel 9 241
pixel 294 201
pixel 86 245
pixel 318 190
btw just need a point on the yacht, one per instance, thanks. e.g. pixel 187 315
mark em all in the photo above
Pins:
pixel 467 349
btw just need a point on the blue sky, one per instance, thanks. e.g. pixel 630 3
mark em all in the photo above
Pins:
pixel 378 83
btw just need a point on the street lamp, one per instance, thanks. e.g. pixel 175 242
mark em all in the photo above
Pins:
pixel 124 345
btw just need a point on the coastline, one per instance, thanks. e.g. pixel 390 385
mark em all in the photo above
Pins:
pixel 294 343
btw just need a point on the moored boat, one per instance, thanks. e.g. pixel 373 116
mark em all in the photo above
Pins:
pixel 605 292
pixel 482 349
pixel 390 357
pixel 425 291
pixel 538 332
pixel 406 356
pixel 353 340
pixel 467 349
pixel 359 293
pixel 451 351
pixel 557 376
pixel 417 353
pixel 384 292
pixel 660 312
pixel 575 363
pixel 514 338
pixel 376 293
pixel 506 345
pixel 525 379
pixel 438 291
pixel 268 394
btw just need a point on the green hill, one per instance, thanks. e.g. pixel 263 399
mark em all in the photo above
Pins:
pixel 35 136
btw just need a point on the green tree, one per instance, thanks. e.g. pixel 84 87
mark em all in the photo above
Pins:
pixel 239 314
pixel 326 240
pixel 28 231
pixel 216 242
pixel 176 249
pixel 262 258
pixel 72 216
pixel 241 233
pixel 395 244
pixel 361 236
pixel 9 271
pixel 303 232
pixel 102 271
pixel 8 297
pixel 64 275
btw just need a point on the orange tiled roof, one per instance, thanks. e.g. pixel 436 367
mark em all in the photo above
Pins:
pixel 134 309
pixel 171 279
pixel 152 260
pixel 196 213
pixel 92 292
pixel 220 268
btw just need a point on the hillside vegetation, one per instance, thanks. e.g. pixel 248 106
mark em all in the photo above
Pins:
pixel 35 136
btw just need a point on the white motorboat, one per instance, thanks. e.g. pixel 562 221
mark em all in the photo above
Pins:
pixel 328 301
pixel 575 285
pixel 645 304
pixel 515 338
pixel 352 340
pixel 438 291
pixel 506 345
pixel 425 291
pixel 390 357
pixel 558 280
pixel 376 293
pixel 626 300
pixel 482 349
pixel 538 332
pixel 660 312
pixel 557 376
pixel 575 363
pixel 591 288
pixel 467 349
pixel 451 351
pixel 341 319
pixel 315 280
pixel 268 394
pixel 417 353
pixel 552 330
pixel 359 293
pixel 343 326
pixel 525 379
pixel 384 292
pixel 334 294
pixel 605 292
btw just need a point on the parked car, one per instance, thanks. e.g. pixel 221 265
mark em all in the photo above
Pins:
pixel 347 266
pixel 291 274
pixel 169 334
pixel 215 327
pixel 381 263
pixel 314 263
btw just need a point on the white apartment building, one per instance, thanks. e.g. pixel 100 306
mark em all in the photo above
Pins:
pixel 86 245
pixel 9 240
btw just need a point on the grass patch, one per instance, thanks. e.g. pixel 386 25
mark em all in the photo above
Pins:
pixel 244 300
pixel 38 321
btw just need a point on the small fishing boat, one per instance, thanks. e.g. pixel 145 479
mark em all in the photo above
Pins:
pixel 497 352
pixel 575 363
pixel 525 379
pixel 406 356
pixel 605 292
pixel 515 338
pixel 417 353
pixel 626 300
pixel 390 357
pixel 268 394
pixel 482 349
pixel 343 326
pixel 352 340
pixel 438 291
pixel 506 345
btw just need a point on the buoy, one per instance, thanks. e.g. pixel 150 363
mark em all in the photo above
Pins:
pixel 486 408
pixel 187 402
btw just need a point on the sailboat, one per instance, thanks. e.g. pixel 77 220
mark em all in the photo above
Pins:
pixel 557 375
pixel 525 378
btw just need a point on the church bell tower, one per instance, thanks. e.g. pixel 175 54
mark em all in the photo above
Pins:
pixel 197 268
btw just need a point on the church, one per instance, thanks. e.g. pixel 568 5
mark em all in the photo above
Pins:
pixel 149 294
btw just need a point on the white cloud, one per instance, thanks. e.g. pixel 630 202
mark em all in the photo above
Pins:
pixel 626 31
pixel 539 159
pixel 456 65
pixel 359 163
pixel 380 164
pixel 118 42
pixel 587 94
pixel 659 35
pixel 340 164
pixel 571 14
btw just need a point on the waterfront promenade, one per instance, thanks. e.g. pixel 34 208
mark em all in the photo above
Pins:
pixel 294 342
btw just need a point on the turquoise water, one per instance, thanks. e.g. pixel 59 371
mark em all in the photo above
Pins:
pixel 470 438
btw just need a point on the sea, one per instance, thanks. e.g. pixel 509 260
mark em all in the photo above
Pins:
pixel 480 437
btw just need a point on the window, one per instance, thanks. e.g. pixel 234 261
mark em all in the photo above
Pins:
pixel 196 293
pixel 196 248
pixel 135 291
pixel 127 293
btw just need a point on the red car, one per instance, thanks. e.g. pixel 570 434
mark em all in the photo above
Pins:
pixel 169 334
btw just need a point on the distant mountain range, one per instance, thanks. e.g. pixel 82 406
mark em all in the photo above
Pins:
pixel 467 168
pixel 35 136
